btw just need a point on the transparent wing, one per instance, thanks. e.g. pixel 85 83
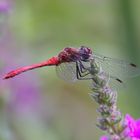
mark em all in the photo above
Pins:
pixel 118 70
pixel 67 71
pixel 114 83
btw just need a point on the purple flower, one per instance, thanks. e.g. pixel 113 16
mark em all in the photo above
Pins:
pixel 132 127
pixel 4 6
pixel 104 138
pixel 132 130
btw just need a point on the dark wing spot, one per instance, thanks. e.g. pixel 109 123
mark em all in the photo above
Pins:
pixel 133 65
pixel 119 80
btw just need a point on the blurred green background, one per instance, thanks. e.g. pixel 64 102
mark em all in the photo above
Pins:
pixel 37 105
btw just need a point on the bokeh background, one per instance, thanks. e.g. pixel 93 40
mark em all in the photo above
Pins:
pixel 37 105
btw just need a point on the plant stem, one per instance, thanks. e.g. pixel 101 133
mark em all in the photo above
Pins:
pixel 110 117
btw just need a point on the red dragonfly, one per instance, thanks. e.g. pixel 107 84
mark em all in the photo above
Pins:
pixel 74 64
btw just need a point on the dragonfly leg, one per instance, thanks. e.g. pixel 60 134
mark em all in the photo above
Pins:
pixel 82 68
pixel 80 75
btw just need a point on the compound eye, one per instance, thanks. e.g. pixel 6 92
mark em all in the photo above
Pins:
pixel 85 53
pixel 85 49
pixel 82 50
pixel 85 56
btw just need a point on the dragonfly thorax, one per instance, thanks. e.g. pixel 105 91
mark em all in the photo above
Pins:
pixel 68 55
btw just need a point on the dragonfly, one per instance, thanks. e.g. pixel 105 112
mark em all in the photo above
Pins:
pixel 73 64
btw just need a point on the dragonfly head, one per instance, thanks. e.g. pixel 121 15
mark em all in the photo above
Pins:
pixel 85 53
